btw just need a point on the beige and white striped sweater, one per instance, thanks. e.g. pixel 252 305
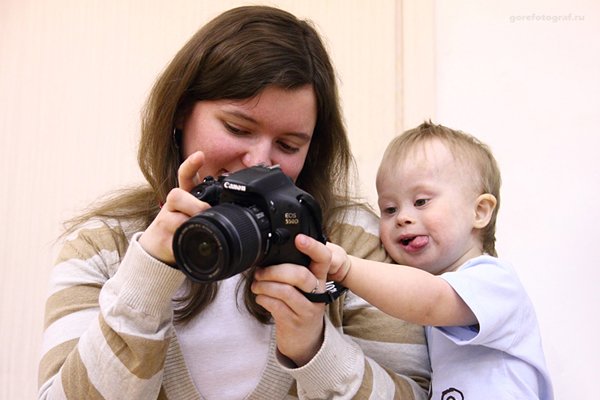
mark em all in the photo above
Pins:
pixel 109 332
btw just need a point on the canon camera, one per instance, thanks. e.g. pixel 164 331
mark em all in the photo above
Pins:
pixel 255 215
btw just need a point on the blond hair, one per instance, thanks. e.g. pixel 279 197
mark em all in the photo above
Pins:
pixel 465 148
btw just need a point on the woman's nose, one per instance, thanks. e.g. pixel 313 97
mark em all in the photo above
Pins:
pixel 259 153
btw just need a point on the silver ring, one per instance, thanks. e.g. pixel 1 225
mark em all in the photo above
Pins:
pixel 316 287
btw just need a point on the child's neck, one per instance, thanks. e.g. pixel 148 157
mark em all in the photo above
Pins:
pixel 469 255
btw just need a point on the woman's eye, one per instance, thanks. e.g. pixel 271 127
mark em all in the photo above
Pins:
pixel 234 129
pixel 288 148
pixel 421 202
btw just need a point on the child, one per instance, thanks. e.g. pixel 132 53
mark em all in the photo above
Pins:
pixel 438 196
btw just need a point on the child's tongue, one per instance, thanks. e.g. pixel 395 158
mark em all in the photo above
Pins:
pixel 417 243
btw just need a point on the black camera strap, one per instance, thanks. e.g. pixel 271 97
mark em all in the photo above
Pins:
pixel 333 290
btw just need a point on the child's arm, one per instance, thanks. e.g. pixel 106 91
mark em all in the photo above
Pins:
pixel 403 292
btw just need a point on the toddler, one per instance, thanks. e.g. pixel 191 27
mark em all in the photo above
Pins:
pixel 438 193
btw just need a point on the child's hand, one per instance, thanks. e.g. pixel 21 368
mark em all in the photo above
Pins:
pixel 340 263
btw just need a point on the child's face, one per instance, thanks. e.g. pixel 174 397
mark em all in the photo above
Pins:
pixel 428 203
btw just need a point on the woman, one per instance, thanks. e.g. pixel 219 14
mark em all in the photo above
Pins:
pixel 255 85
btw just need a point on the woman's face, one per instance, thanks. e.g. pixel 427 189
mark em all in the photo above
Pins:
pixel 273 128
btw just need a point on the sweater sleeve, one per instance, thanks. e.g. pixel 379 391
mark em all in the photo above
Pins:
pixel 108 321
pixel 365 354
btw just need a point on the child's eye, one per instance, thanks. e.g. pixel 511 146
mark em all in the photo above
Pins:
pixel 389 210
pixel 421 202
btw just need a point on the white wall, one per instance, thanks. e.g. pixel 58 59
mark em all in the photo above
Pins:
pixel 524 76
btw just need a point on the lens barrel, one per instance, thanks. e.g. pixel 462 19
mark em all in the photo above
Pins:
pixel 221 242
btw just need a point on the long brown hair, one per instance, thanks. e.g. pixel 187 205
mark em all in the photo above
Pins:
pixel 235 56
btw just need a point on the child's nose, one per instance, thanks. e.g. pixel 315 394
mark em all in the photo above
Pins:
pixel 404 219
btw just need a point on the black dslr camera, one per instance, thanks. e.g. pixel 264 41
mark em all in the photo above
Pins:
pixel 255 215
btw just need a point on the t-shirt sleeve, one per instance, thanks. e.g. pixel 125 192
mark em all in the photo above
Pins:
pixel 494 294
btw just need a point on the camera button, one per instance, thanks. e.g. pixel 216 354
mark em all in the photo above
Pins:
pixel 281 236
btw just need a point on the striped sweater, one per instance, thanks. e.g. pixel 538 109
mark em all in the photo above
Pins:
pixel 108 331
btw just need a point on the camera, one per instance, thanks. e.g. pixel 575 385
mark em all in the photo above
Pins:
pixel 256 213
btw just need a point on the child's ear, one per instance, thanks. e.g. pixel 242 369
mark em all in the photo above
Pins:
pixel 484 208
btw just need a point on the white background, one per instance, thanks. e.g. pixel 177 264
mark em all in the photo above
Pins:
pixel 524 76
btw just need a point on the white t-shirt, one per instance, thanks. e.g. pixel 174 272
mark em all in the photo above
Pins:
pixel 502 357
pixel 240 354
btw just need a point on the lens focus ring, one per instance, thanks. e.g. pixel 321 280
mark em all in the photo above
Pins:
pixel 221 242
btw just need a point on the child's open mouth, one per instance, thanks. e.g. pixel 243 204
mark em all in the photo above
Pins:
pixel 406 241
pixel 414 243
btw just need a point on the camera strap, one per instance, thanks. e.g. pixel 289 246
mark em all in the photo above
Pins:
pixel 333 290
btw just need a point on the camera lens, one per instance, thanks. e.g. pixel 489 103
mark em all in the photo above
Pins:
pixel 202 248
pixel 221 242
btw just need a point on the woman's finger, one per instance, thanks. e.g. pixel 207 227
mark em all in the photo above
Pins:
pixel 188 171
pixel 183 202
pixel 291 275
pixel 179 206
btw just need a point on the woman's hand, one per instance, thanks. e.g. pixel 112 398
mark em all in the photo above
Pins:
pixel 180 205
pixel 299 322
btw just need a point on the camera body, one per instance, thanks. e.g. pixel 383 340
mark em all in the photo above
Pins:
pixel 256 213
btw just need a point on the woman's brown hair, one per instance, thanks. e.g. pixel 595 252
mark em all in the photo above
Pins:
pixel 236 56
